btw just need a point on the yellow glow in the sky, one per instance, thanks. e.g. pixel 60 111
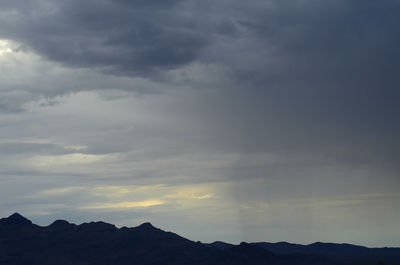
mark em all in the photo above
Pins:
pixel 63 160
pixel 203 197
pixel 76 147
pixel 125 205
pixel 198 192
pixel 61 191
pixel 130 196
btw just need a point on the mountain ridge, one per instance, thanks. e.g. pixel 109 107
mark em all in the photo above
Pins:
pixel 101 243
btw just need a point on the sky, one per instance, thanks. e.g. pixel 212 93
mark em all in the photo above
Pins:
pixel 263 120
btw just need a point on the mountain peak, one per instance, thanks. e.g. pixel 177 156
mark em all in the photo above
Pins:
pixel 146 225
pixel 15 220
pixel 221 245
pixel 60 224
pixel 97 226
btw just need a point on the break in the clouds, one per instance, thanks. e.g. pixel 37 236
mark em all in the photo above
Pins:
pixel 270 120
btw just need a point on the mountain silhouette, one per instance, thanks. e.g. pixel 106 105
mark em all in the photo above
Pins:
pixel 100 243
pixel 338 253
pixel 15 220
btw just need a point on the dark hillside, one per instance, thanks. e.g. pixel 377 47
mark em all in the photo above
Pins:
pixel 99 243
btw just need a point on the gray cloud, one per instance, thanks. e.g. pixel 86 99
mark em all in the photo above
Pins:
pixel 281 100
pixel 123 37
pixel 26 148
pixel 10 108
pixel 303 76
pixel 323 50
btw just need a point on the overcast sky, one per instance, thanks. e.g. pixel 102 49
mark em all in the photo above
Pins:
pixel 228 120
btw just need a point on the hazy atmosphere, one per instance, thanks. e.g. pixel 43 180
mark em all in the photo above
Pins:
pixel 219 120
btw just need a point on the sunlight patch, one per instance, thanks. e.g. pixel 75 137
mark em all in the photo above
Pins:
pixel 61 191
pixel 5 47
pixel 203 197
pixel 70 159
pixel 76 147
pixel 125 205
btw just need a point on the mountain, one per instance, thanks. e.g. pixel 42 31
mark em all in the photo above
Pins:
pixel 221 245
pixel 15 220
pixel 339 253
pixel 100 243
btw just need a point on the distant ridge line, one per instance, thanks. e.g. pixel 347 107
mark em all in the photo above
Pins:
pixel 101 243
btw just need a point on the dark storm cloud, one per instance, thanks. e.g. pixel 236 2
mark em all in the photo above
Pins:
pixel 314 77
pixel 147 4
pixel 300 42
pixel 335 51
pixel 120 36
pixel 309 48
pixel 305 75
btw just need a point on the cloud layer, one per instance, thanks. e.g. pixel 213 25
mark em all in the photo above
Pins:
pixel 264 111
